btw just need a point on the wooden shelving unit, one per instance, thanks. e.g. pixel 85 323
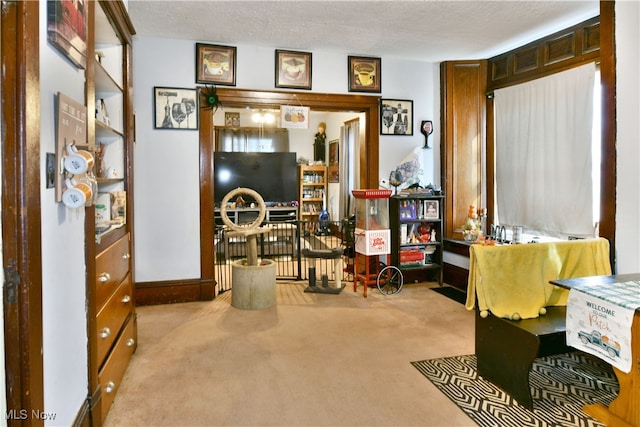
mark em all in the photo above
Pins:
pixel 112 330
pixel 312 182
pixel 416 235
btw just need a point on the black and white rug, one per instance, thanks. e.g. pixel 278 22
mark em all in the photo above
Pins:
pixel 560 385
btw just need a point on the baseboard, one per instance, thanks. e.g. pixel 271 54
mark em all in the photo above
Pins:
pixel 455 276
pixel 173 291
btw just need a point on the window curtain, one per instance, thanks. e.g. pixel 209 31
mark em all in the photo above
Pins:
pixel 349 167
pixel 543 154
pixel 256 139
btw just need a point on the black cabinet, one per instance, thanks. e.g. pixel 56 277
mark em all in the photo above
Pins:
pixel 416 235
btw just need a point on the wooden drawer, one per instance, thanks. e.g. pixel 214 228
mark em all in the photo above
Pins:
pixel 110 376
pixel 110 319
pixel 111 266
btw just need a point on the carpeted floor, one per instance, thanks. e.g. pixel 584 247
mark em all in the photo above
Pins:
pixel 561 386
pixel 311 360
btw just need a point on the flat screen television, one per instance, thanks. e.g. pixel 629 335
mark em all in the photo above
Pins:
pixel 273 175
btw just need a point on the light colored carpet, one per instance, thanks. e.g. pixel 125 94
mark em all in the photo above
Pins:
pixel 312 360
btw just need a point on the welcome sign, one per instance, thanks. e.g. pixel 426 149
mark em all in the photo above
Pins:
pixel 599 320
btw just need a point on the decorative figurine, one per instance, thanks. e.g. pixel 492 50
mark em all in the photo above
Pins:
pixel 320 143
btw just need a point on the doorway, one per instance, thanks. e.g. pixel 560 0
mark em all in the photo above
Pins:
pixel 368 156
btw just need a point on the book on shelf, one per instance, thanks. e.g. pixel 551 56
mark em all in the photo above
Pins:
pixel 411 256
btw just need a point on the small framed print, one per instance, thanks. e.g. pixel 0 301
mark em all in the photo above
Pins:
pixel 431 209
pixel 396 117
pixel 364 74
pixel 232 119
pixel 215 64
pixel 293 69
pixel 175 108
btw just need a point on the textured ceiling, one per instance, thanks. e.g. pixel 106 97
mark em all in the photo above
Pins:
pixel 427 30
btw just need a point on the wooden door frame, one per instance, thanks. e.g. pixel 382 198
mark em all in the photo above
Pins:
pixel 369 154
pixel 21 216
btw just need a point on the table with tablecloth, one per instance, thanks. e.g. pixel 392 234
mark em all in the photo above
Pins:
pixel 603 318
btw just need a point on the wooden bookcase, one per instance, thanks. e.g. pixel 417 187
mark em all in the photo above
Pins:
pixel 312 183
pixel 112 329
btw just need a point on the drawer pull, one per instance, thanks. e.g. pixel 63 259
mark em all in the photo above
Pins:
pixel 109 387
pixel 104 278
pixel 131 342
pixel 105 333
pixel 126 255
pixel 126 299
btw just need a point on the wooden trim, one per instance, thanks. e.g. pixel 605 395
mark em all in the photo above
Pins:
pixel 169 292
pixel 21 213
pixel 118 16
pixel 456 246
pixel 565 49
pixel 369 162
pixel 455 276
pixel 207 225
pixel 83 419
pixel 608 179
pixel 463 124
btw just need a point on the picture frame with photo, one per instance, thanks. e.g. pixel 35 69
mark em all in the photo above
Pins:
pixel 396 117
pixel 232 120
pixel 67 30
pixel 365 74
pixel 216 64
pixel 175 108
pixel 431 209
pixel 293 69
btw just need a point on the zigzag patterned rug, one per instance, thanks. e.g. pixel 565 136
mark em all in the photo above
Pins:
pixel 560 385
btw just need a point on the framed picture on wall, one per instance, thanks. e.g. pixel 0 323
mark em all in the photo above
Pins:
pixel 175 108
pixel 396 117
pixel 232 119
pixel 365 74
pixel 334 161
pixel 293 69
pixel 215 64
pixel 67 30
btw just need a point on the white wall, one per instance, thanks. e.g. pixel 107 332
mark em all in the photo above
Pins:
pixel 166 193
pixel 167 164
pixel 628 131
pixel 64 316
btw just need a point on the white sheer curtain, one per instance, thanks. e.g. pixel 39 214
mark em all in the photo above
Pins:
pixel 543 154
pixel 349 167
pixel 265 140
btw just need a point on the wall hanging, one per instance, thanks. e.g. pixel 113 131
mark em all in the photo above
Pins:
pixel 216 64
pixel 293 69
pixel 396 117
pixel 176 108
pixel 364 74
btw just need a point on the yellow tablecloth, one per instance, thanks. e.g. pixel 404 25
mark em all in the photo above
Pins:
pixel 512 281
